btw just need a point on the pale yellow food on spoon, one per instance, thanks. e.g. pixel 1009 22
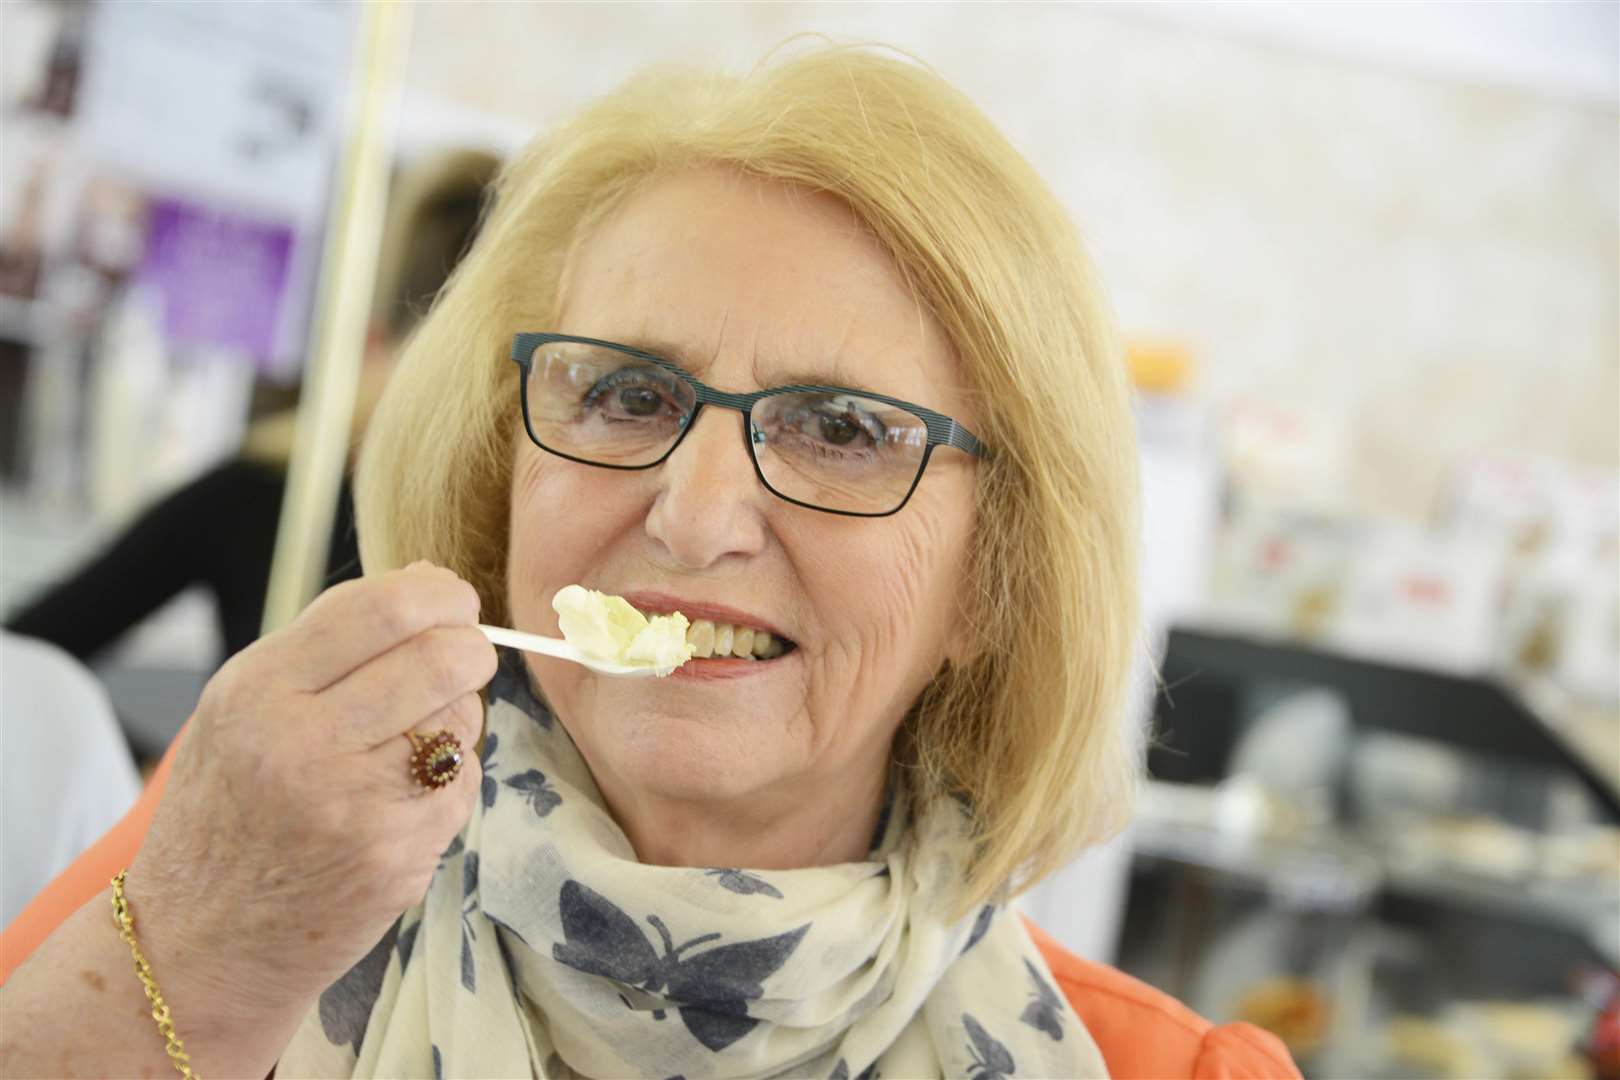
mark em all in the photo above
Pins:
pixel 609 629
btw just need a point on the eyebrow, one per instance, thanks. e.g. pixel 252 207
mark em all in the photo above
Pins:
pixel 682 358
pixel 664 350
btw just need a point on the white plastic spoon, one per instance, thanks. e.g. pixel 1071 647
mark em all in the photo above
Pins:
pixel 546 646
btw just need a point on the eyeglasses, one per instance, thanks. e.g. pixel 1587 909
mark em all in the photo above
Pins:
pixel 822 447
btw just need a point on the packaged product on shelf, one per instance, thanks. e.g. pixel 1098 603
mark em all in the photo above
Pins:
pixel 1279 572
pixel 1421 597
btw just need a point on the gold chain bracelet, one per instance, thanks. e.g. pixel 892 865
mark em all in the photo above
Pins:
pixel 143 971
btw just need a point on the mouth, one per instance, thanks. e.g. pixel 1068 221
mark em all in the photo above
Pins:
pixel 718 633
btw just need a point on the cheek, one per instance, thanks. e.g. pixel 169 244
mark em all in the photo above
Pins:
pixel 928 558
pixel 527 537
pixel 894 588
pixel 554 527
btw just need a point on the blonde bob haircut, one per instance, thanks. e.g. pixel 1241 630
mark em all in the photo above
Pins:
pixel 1028 730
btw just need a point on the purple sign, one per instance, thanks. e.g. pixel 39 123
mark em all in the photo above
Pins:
pixel 222 277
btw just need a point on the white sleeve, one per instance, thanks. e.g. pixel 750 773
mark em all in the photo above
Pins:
pixel 66 775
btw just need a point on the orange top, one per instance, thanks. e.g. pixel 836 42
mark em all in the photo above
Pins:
pixel 1141 1031
pixel 1146 1033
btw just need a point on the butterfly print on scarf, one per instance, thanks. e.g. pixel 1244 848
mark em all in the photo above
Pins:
pixel 407 942
pixel 1045 1010
pixel 710 991
pixel 346 1005
pixel 981 926
pixel 531 783
pixel 488 786
pixel 511 684
pixel 469 882
pixel 534 786
pixel 841 1072
pixel 991 1060
pixel 744 884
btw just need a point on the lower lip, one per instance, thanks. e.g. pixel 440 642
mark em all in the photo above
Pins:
pixel 716 668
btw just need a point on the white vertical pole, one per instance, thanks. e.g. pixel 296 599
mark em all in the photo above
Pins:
pixel 348 274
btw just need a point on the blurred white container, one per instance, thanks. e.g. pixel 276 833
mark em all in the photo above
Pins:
pixel 1415 596
pixel 1281 454
pixel 1181 481
pixel 1280 572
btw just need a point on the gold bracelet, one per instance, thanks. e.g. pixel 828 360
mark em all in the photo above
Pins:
pixel 143 971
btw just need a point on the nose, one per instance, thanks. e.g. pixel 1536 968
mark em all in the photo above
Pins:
pixel 709 502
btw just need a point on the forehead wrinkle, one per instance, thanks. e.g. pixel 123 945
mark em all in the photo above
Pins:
pixel 765 370
pixel 632 295
pixel 770 365
pixel 768 373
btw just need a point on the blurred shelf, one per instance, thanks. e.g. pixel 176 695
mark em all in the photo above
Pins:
pixel 1327 870
pixel 1472 712
pixel 1320 870
pixel 1581 908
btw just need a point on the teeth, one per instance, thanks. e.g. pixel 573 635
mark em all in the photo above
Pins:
pixel 700 635
pixel 711 639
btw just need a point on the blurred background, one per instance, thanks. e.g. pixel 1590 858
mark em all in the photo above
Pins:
pixel 1367 257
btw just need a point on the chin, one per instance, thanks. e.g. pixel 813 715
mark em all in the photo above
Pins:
pixel 675 757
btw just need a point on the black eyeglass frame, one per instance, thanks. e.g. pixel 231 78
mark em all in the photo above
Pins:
pixel 942 429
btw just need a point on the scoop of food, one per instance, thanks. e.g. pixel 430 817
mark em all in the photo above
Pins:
pixel 606 634
pixel 608 628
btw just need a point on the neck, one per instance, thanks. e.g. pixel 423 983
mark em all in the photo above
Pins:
pixel 796 827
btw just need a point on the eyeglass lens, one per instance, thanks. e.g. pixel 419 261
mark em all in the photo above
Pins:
pixel 837 451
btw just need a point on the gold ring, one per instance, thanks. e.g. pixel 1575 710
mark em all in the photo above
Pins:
pixel 435 758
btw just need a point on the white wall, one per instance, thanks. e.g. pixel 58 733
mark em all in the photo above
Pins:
pixel 1428 251
pixel 1568 48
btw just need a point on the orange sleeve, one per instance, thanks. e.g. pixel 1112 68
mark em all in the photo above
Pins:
pixel 1145 1034
pixel 1243 1052
pixel 86 876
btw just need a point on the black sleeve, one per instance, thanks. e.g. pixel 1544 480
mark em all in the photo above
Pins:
pixel 179 541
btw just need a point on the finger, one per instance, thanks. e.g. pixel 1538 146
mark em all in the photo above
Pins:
pixel 462 718
pixel 409 683
pixel 355 622
pixel 425 820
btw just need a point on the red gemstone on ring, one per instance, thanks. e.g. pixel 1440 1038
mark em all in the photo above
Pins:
pixel 436 759
pixel 445 764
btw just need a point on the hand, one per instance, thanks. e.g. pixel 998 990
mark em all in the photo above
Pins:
pixel 291 833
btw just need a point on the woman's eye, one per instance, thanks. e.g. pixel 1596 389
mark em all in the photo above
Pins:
pixel 840 429
pixel 631 394
pixel 637 401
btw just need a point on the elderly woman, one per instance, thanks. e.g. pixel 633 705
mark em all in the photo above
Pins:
pixel 813 358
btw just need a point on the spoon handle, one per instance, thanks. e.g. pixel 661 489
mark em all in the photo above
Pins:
pixel 517 639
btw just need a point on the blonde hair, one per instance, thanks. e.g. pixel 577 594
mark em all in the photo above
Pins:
pixel 1029 729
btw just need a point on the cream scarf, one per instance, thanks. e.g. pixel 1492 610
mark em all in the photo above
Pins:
pixel 544 948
